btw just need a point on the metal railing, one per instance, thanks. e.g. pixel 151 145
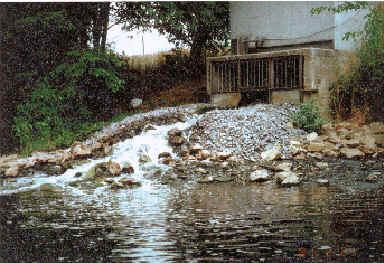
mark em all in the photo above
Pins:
pixel 245 73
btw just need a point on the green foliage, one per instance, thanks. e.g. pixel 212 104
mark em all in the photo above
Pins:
pixel 308 117
pixel 199 25
pixel 362 88
pixel 63 103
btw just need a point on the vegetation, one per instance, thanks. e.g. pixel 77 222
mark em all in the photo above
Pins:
pixel 308 117
pixel 60 81
pixel 202 26
pixel 361 89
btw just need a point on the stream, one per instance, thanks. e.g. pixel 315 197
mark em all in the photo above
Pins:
pixel 66 218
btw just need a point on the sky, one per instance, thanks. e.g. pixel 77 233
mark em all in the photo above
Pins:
pixel 131 42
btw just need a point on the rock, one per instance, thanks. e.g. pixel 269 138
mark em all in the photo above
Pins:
pixel 117 185
pixel 300 156
pixel 165 160
pixel 129 182
pixel 176 140
pixel 351 143
pixel 323 182
pixel 322 165
pixel 128 169
pixel 78 174
pixel 284 166
pixel 295 147
pixel 333 154
pixel 260 175
pixel 174 132
pixel 208 179
pixel 373 177
pixel 201 170
pixel 149 127
pixel 316 147
pixel 317 156
pixel 272 154
pixel 349 251
pixel 224 179
pixel 376 127
pixel 203 155
pixel 287 178
pixel 12 171
pixel 312 136
pixel 80 150
pixel 351 153
pixel 136 102
pixel 144 158
pixel 222 156
pixel 379 139
pixel 107 169
pixel 164 155
pixel 196 148
pixel 223 164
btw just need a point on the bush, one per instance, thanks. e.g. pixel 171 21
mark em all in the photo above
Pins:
pixel 362 89
pixel 308 117
pixel 70 101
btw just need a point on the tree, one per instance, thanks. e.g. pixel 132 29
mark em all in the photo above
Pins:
pixel 198 25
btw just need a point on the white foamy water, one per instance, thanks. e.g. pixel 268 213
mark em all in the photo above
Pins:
pixel 151 143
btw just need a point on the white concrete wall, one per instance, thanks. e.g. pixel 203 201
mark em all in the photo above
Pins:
pixel 281 23
pixel 351 21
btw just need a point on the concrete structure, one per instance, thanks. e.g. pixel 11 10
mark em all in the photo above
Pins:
pixel 283 51
pixel 263 26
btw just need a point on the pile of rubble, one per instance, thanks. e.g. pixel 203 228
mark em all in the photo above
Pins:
pixel 248 131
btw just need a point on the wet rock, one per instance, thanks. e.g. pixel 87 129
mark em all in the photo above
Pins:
pixel 260 175
pixel 149 127
pixel 144 158
pixel 80 150
pixel 164 155
pixel 78 174
pixel 321 165
pixel 373 177
pixel 129 182
pixel 176 140
pixel 323 182
pixel 167 161
pixel 351 153
pixel 117 185
pixel 272 154
pixel 106 169
pixel 287 178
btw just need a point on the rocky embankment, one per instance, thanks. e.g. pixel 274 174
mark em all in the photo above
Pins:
pixel 98 145
pixel 254 143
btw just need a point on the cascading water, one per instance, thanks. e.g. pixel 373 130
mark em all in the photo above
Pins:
pixel 150 143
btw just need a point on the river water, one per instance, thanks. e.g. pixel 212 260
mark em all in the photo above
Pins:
pixel 66 218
